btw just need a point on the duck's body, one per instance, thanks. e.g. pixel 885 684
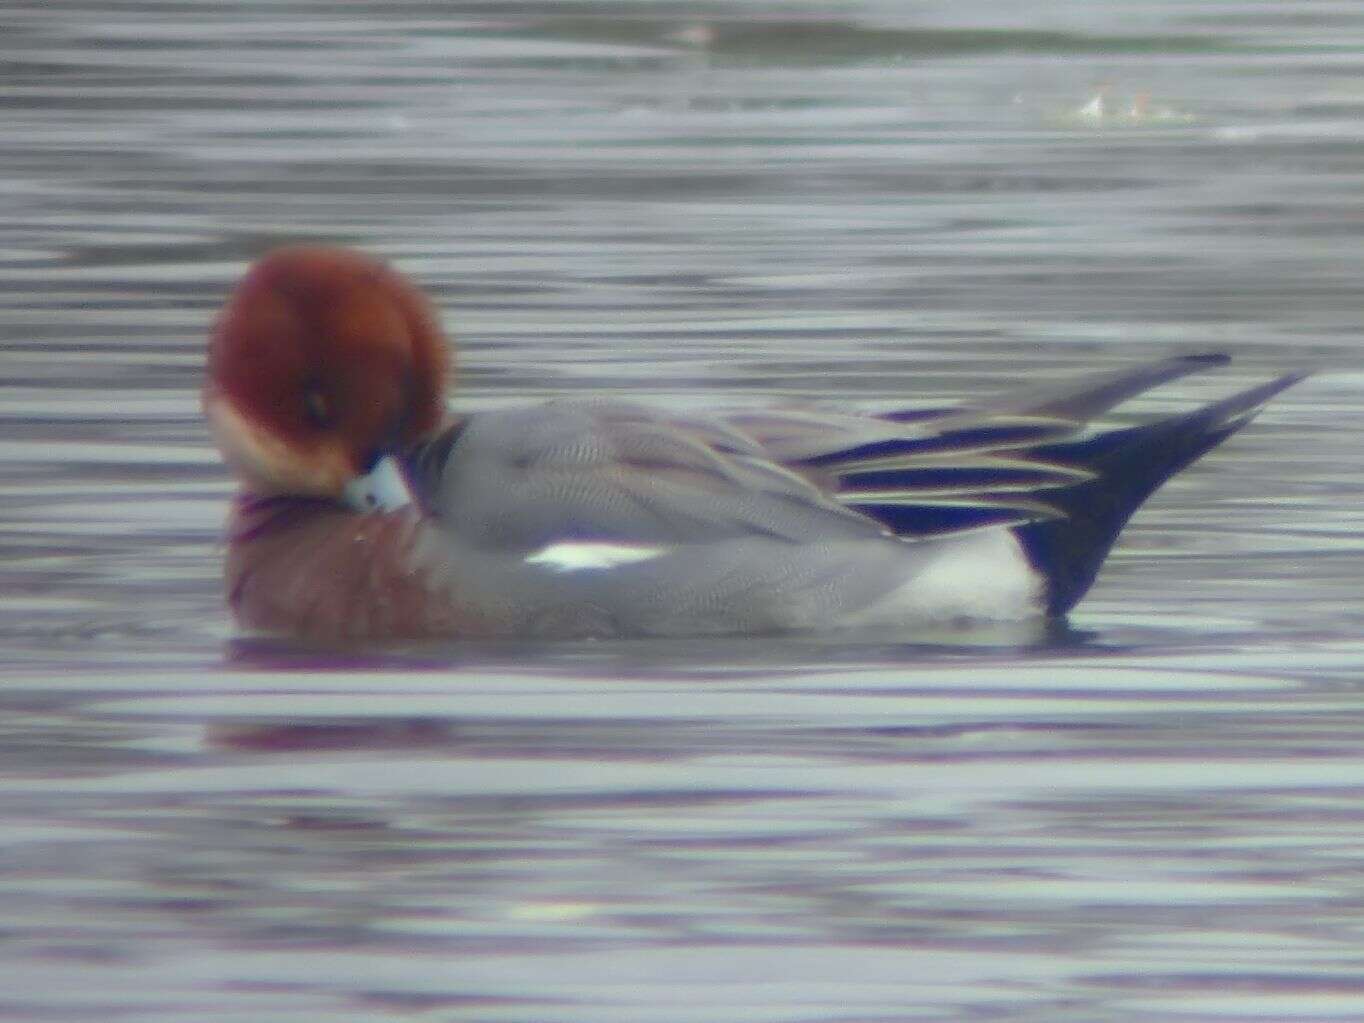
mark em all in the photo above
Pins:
pixel 534 522
pixel 607 518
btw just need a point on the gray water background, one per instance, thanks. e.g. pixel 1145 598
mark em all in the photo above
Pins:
pixel 1154 815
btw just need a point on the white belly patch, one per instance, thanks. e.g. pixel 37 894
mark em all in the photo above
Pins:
pixel 983 576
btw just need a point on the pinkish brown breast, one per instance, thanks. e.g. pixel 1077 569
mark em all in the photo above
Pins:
pixel 317 570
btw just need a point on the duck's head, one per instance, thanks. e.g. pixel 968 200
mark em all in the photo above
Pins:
pixel 322 361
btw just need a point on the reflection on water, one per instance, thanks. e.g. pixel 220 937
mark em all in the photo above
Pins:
pixel 1150 814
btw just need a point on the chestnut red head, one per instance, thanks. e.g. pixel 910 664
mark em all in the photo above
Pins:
pixel 322 360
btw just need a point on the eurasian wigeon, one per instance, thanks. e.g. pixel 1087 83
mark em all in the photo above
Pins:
pixel 606 518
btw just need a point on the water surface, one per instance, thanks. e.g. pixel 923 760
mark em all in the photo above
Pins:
pixel 1153 814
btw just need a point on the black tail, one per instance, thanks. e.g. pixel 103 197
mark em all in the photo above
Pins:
pixel 1128 466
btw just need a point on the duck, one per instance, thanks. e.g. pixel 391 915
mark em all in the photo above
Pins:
pixel 369 511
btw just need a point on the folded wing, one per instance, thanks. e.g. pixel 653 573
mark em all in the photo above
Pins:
pixel 618 472
pixel 607 471
pixel 933 471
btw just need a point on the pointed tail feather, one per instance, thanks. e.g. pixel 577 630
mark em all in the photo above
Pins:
pixel 1015 421
pixel 1128 465
pixel 1075 401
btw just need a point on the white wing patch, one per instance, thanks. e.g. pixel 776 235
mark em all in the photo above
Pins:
pixel 576 556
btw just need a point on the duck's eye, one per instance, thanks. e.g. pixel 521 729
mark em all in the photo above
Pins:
pixel 316 407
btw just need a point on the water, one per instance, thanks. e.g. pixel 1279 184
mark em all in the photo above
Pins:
pixel 1152 815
